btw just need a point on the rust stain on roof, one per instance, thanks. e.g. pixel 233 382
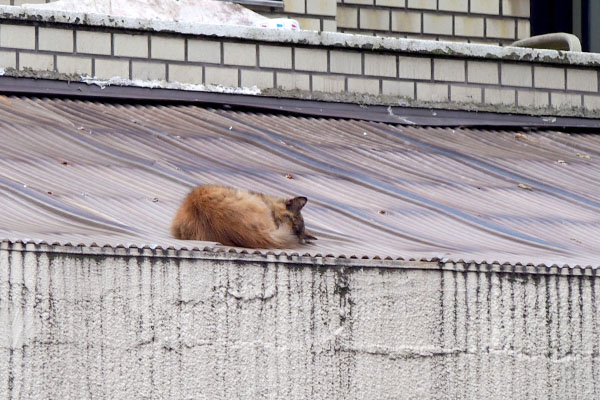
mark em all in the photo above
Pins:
pixel 87 172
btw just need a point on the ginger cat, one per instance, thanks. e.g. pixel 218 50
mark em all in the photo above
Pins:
pixel 242 218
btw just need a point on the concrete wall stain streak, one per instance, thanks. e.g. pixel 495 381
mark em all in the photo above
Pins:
pixel 123 327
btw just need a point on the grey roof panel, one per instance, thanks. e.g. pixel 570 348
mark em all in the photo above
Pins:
pixel 89 172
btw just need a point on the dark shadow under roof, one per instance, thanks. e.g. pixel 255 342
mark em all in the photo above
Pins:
pixel 108 173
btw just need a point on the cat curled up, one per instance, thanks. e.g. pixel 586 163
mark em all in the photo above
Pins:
pixel 235 217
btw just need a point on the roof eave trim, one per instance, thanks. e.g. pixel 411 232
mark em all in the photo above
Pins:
pixel 309 108
pixel 254 256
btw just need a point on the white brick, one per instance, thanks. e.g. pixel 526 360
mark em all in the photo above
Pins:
pixel 347 17
pixel 535 99
pixel 56 39
pixel 167 48
pixel 517 8
pixel 454 5
pixel 516 75
pixel 260 79
pixel 591 102
pixel 380 65
pixel 328 83
pixel 465 94
pixel 549 77
pixel 148 70
pixel 131 45
pixel 110 68
pixel 432 91
pixel 36 62
pixel 294 6
pixel 454 39
pixel 523 29
pixel 185 73
pixel 406 21
pixel 449 70
pixel 565 100
pixel 93 42
pixel 8 59
pixel 500 28
pixel 368 2
pixel 311 59
pixel 374 19
pixel 499 96
pixel 239 54
pixel 17 36
pixel 363 85
pixel 485 7
pixel 204 51
pixel 275 57
pixel 390 3
pixel 422 4
pixel 321 7
pixel 289 81
pixel 398 88
pixel 74 65
pixel 221 76
pixel 468 26
pixel 483 72
pixel 329 25
pixel 309 24
pixel 345 62
pixel 437 24
pixel 581 79
pixel 414 68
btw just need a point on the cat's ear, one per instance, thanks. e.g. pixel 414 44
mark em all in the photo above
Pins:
pixel 296 203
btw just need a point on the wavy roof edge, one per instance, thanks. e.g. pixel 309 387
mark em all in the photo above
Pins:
pixel 220 253
pixel 333 39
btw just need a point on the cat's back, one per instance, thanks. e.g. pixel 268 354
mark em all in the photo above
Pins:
pixel 222 214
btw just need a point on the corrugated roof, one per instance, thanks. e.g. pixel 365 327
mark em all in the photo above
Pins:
pixel 90 172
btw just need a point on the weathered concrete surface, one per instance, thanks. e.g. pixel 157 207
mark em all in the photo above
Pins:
pixel 123 324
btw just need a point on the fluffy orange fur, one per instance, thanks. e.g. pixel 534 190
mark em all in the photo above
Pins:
pixel 235 217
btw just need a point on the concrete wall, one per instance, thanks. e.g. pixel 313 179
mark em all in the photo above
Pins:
pixel 19 2
pixel 121 323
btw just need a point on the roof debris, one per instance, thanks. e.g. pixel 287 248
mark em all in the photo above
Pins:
pixel 521 136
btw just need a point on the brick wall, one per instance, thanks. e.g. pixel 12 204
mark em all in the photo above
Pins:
pixel 305 64
pixel 474 21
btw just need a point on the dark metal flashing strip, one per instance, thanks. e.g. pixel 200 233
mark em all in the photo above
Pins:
pixel 311 108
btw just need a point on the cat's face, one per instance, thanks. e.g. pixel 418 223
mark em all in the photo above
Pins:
pixel 297 222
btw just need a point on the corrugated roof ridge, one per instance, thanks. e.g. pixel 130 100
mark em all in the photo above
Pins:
pixel 287 256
